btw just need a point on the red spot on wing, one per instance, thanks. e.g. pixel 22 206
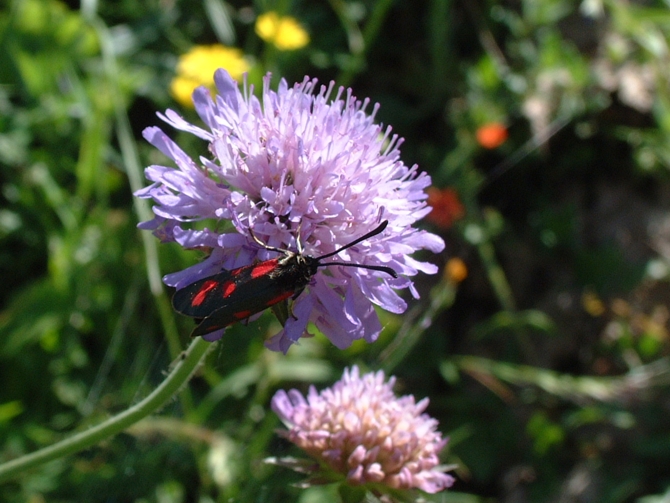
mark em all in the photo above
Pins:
pixel 201 295
pixel 242 315
pixel 279 298
pixel 264 268
pixel 228 288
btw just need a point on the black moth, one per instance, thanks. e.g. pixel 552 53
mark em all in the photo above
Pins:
pixel 234 295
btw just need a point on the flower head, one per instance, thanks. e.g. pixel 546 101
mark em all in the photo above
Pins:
pixel 197 67
pixel 361 430
pixel 301 169
pixel 455 271
pixel 284 32
pixel 447 207
pixel 491 135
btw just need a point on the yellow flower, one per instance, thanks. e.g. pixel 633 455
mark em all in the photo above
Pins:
pixel 592 304
pixel 197 67
pixel 284 32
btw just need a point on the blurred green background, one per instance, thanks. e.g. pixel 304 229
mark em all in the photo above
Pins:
pixel 542 344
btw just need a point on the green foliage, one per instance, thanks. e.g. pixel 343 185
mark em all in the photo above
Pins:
pixel 547 363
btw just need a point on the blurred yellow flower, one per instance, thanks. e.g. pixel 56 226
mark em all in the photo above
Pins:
pixel 284 32
pixel 592 304
pixel 197 67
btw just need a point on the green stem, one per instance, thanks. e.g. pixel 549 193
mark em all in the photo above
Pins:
pixel 496 276
pixel 182 371
pixel 359 42
pixel 442 296
pixel 504 294
pixel 131 161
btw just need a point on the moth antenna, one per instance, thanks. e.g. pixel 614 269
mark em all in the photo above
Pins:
pixel 378 230
pixel 298 241
pixel 381 268
pixel 265 245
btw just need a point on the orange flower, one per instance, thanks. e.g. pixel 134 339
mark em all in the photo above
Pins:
pixel 456 270
pixel 447 207
pixel 491 135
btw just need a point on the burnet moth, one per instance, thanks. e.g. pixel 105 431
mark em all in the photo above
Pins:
pixel 234 295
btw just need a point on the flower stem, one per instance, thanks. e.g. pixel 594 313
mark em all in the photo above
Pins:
pixel 415 325
pixel 182 371
pixel 496 276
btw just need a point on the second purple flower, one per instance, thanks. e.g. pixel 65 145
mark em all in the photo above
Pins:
pixel 360 430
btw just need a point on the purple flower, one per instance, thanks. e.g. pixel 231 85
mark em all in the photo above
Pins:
pixel 296 165
pixel 360 429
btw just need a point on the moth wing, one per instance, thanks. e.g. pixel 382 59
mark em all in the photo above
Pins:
pixel 202 298
pixel 249 299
